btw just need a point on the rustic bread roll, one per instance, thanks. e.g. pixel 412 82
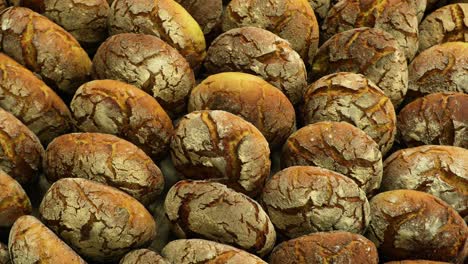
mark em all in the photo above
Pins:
pixel 21 151
pixel 259 52
pixel 213 211
pixel 336 146
pixel 397 17
pixel 444 25
pixel 32 242
pixel 107 159
pixel 250 97
pixel 189 251
pixel 117 108
pixel 439 119
pixel 4 255
pixel 439 170
pixel 148 63
pixel 165 19
pixel 220 146
pixel 354 99
pixel 100 222
pixel 32 101
pixel 320 8
pixel 142 256
pixel 45 48
pixel 411 224
pixel 14 202
pixel 336 247
pixel 441 68
pixel 207 13
pixel 293 20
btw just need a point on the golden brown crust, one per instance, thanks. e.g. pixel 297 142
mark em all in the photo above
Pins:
pixel 3 5
pixel 437 119
pixel 14 202
pixel 107 159
pixel 45 48
pixel 338 247
pixel 220 146
pixel 411 224
pixel 337 146
pixel 4 255
pixel 207 13
pixel 165 19
pixel 250 97
pixel 142 256
pixel 354 99
pixel 100 222
pixel 212 211
pixel 117 108
pixel 32 101
pixel 293 20
pixel 31 241
pixel 148 63
pixel 21 151
pixel 259 52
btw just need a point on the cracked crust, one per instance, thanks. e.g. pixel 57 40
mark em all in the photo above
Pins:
pixel 437 170
pixel 420 7
pixel 4 255
pixel 292 20
pixel 441 68
pixel 337 146
pixel 44 48
pixel 213 211
pixel 371 52
pixel 107 159
pixel 21 151
pixel 100 222
pixel 14 202
pixel 250 97
pixel 148 63
pixel 305 199
pixel 193 251
pixel 336 247
pixel 352 98
pixel 223 147
pixel 142 256
pixel 207 13
pixel 32 101
pixel 165 19
pixel 412 224
pixel 397 17
pixel 320 8
pixel 437 119
pixel 31 241
pixel 117 108
pixel 447 24
pixel 259 52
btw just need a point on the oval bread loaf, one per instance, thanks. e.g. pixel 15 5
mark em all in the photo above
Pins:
pixel 14 202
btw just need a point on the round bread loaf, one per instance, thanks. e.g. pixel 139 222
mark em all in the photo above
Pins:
pixel 336 247
pixel 397 17
pixel 107 159
pixel 189 251
pixel 100 222
pixel 336 146
pixel 439 119
pixel 305 199
pixel 411 224
pixel 14 202
pixel 148 63
pixel 320 8
pixel 354 99
pixel 117 108
pixel 444 25
pixel 165 19
pixel 31 101
pixel 220 146
pixel 4 254
pixel 439 170
pixel 31 241
pixel 259 52
pixel 207 13
pixel 21 151
pixel 210 210
pixel 368 51
pixel 250 97
pixel 441 68
pixel 292 20
pixel 142 256
pixel 45 48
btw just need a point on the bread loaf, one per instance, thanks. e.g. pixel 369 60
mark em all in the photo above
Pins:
pixel 207 13
pixel 320 8
pixel 14 202
pixel 4 255
pixel 142 256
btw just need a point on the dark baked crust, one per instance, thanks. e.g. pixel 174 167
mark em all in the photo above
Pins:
pixel 14 202
pixel 320 8
pixel 142 256
pixel 416 262
pixel 207 13
pixel 3 5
